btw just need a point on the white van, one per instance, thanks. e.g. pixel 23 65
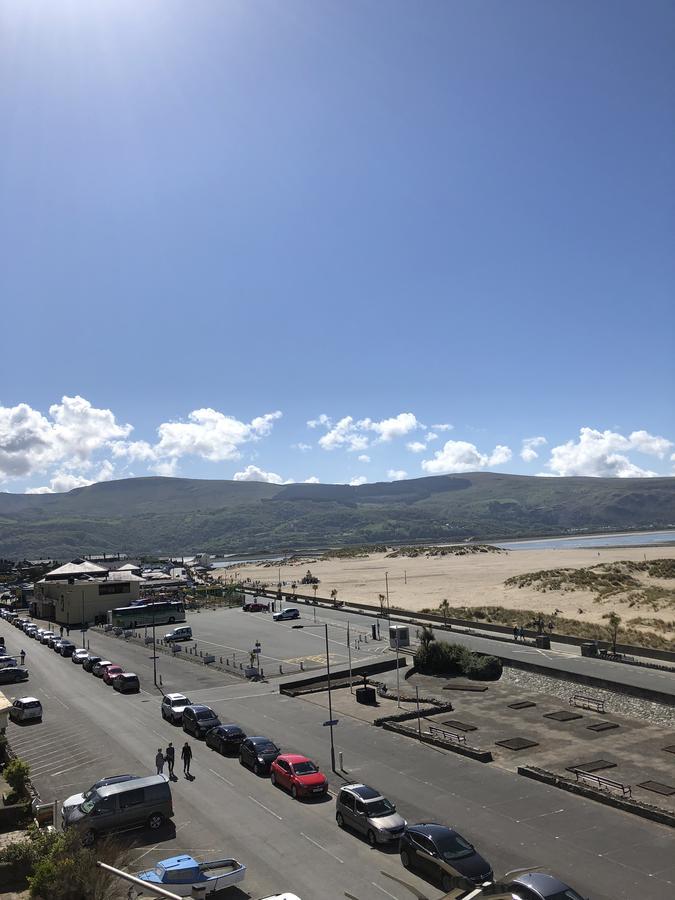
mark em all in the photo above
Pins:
pixel 179 634
pixel 25 709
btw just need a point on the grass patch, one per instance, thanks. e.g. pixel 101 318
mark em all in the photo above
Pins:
pixel 454 550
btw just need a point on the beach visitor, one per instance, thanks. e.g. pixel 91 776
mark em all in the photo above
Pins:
pixel 186 756
pixel 170 756
pixel 159 762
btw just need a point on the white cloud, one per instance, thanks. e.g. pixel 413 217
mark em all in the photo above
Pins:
pixel 64 481
pixel 528 451
pixel 303 448
pixel 416 446
pixel 253 473
pixel 397 474
pixel 312 480
pixel 354 435
pixel 323 419
pixel 360 479
pixel 167 468
pixel 387 429
pixel 344 433
pixel 461 456
pixel 31 443
pixel 211 435
pixel 430 436
pixel 603 454
pixel 364 458
pixel 443 426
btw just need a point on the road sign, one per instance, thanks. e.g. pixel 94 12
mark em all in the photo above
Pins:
pixel 331 722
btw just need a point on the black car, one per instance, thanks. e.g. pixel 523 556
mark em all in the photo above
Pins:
pixel 90 662
pixel 198 720
pixel 258 753
pixel 539 886
pixel 225 738
pixel 67 648
pixel 425 845
pixel 13 674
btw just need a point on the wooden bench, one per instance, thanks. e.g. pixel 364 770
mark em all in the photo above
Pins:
pixel 435 731
pixel 606 784
pixel 586 702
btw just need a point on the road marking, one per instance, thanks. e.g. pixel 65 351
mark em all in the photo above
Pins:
pixel 86 762
pixel 222 778
pixel 380 888
pixel 266 808
pixel 317 844
pixel 58 699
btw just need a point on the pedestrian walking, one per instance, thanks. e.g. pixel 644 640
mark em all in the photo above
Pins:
pixel 159 761
pixel 521 633
pixel 23 656
pixel 515 632
pixel 61 631
pixel 186 756
pixel 170 756
pixel 67 630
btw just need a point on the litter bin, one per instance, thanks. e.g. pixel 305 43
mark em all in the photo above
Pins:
pixel 543 642
pixel 590 648
pixel 373 630
pixel 366 695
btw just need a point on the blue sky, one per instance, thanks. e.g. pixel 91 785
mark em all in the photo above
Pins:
pixel 222 220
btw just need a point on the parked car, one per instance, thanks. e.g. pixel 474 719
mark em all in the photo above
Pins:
pixel 127 683
pixel 99 667
pixel 13 674
pixel 226 739
pixel 256 606
pixel 79 656
pixel 7 662
pixel 173 706
pixel 423 845
pixel 32 631
pixel 289 613
pixel 366 811
pixel 299 775
pixel 90 662
pixel 75 799
pixel 258 753
pixel 46 637
pixel 539 886
pixel 184 633
pixel 110 673
pixel 198 720
pixel 56 645
pixel 67 648
pixel 132 804
pixel 26 709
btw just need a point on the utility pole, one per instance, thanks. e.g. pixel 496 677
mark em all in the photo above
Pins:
pixel 154 647
pixel 349 648
pixel 386 585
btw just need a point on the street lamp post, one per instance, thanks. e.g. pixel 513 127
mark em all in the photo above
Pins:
pixel 330 699
pixel 349 649
pixel 154 648
pixel 386 584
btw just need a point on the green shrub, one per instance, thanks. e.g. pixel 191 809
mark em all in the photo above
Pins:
pixel 17 773
pixel 484 668
pixel 442 658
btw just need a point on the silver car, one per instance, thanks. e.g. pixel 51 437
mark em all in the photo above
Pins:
pixel 76 799
pixel 173 706
pixel 365 810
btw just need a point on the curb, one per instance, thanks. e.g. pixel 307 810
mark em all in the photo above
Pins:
pixel 644 810
pixel 483 756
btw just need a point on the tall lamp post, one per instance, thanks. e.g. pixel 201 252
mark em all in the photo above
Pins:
pixel 324 625
pixel 154 648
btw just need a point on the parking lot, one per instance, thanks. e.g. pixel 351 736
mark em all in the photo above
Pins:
pixel 89 732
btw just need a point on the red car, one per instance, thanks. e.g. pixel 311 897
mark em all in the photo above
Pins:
pixel 256 606
pixel 111 672
pixel 298 775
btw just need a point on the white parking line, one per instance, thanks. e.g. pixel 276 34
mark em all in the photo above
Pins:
pixel 380 888
pixel 59 700
pixel 83 763
pixel 321 847
pixel 222 778
pixel 45 768
pixel 266 808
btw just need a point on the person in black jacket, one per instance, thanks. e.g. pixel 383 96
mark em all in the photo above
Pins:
pixel 186 756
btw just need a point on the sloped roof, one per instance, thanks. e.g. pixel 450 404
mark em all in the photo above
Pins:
pixel 129 567
pixel 76 567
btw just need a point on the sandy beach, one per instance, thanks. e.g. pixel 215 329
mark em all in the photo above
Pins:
pixel 472 580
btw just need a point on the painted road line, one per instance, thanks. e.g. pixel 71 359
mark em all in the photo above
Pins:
pixel 266 808
pixel 83 763
pixel 380 888
pixel 222 777
pixel 321 847
pixel 59 700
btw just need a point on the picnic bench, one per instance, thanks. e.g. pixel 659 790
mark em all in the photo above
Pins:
pixel 446 734
pixel 602 783
pixel 584 701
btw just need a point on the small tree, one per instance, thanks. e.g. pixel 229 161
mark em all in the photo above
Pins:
pixel 315 588
pixel 426 636
pixel 17 773
pixel 333 596
pixel 613 622
pixel 445 609
pixel 381 598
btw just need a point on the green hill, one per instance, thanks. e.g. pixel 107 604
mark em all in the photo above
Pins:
pixel 180 515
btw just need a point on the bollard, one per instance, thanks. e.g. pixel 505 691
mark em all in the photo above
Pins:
pixel 221 660
pixel 227 661
pixel 160 679
pixel 302 666
pixel 200 653
pixel 342 768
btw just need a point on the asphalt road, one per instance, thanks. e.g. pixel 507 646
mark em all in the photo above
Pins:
pixel 90 731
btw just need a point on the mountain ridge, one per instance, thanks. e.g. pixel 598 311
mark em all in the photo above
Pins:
pixel 169 515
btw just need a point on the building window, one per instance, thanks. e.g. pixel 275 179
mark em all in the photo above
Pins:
pixel 116 587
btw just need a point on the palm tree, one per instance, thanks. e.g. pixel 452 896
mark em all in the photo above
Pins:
pixel 333 596
pixel 315 588
pixel 445 609
pixel 426 636
pixel 614 621
pixel 381 598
